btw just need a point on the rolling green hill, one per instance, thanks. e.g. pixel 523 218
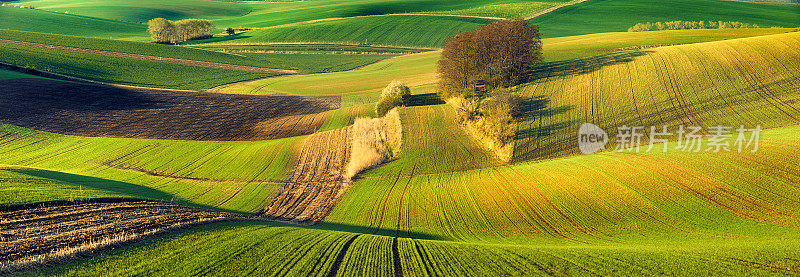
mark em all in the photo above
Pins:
pixel 396 30
pixel 68 24
pixel 419 70
pixel 124 71
pixel 598 16
pixel 141 11
pixel 746 81
pixel 551 218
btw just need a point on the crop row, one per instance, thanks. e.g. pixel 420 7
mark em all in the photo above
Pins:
pixel 268 249
pixel 701 85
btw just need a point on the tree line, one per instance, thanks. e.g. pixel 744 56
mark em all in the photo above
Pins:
pixel 167 31
pixel 686 25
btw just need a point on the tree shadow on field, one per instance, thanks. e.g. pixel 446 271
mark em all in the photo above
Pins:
pixel 535 111
pixel 118 188
pixel 583 65
pixel 427 99
pixel 350 228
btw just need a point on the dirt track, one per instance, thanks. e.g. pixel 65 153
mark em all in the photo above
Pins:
pixel 75 108
pixel 152 58
pixel 40 233
pixel 316 184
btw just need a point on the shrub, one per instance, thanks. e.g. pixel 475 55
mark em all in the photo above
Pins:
pixel 501 53
pixel 396 94
pixel 499 114
pixel 375 141
pixel 230 31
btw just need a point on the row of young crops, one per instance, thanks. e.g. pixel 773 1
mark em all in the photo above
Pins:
pixel 749 82
pixel 237 176
pixel 270 249
pixel 122 70
pixel 608 197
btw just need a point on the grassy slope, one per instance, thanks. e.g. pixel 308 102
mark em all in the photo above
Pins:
pixel 273 14
pixel 420 69
pixel 236 176
pixel 7 74
pixel 122 70
pixel 316 63
pixel 59 23
pixel 397 30
pixel 143 10
pixel 746 81
pixel 415 69
pixel 599 16
pixel 271 249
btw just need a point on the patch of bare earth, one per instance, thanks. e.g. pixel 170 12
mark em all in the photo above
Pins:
pixel 43 233
pixel 84 109
pixel 316 184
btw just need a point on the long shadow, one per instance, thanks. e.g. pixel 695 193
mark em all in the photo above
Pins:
pixel 122 189
pixel 330 226
pixel 584 65
pixel 426 99
pixel 216 39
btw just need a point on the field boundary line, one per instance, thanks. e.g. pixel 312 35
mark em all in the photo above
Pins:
pixel 553 8
pixel 152 58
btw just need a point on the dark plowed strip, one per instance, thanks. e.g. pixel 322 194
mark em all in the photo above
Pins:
pixel 316 184
pixel 152 58
pixel 33 234
pixel 107 111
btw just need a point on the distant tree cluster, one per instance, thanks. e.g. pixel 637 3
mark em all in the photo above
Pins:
pixel 167 31
pixel 686 25
pixel 498 54
pixel 18 6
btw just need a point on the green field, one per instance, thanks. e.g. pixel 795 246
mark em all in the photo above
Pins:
pixel 316 63
pixel 122 70
pixel 232 176
pixel 141 11
pixel 506 10
pixel 67 24
pixel 747 81
pixel 598 16
pixel 526 219
pixel 444 205
pixel 419 70
pixel 396 30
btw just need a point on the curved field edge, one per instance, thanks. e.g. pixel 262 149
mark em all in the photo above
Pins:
pixel 272 249
pixel 419 70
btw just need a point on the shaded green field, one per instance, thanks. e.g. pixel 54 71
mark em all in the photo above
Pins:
pixel 7 74
pixel 396 30
pixel 598 16
pixel 67 24
pixel 122 70
pixel 233 176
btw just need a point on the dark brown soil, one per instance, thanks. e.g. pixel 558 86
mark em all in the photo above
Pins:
pixel 84 109
pixel 34 230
